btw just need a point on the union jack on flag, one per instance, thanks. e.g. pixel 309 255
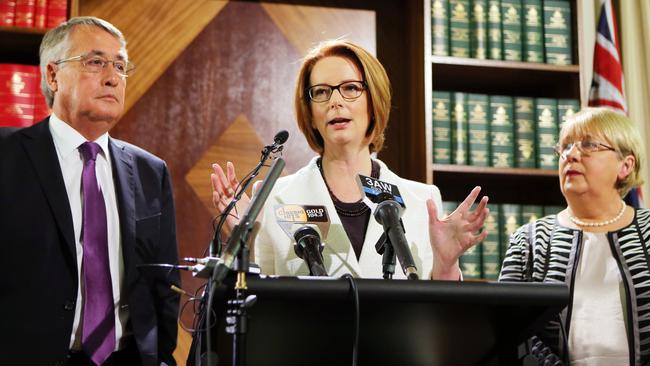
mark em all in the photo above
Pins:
pixel 607 86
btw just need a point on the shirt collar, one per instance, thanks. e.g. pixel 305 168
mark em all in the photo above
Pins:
pixel 67 139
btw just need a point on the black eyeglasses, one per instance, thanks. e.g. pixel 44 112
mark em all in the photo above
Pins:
pixel 349 90
pixel 585 147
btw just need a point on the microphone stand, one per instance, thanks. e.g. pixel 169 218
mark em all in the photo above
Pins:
pixel 385 248
pixel 236 257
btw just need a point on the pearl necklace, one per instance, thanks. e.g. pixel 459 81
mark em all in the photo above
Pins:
pixel 579 222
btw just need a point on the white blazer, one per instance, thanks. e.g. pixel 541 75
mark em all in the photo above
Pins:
pixel 274 249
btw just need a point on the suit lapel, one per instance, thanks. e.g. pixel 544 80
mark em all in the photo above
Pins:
pixel 40 149
pixel 309 188
pixel 124 179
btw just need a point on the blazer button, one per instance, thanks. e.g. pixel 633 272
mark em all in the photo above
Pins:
pixel 69 305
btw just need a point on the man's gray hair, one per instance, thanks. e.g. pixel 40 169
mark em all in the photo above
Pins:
pixel 55 46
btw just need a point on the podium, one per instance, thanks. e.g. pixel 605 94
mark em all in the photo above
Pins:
pixel 310 321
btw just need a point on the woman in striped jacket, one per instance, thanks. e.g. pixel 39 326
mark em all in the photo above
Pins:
pixel 598 246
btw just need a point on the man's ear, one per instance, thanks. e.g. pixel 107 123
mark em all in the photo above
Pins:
pixel 50 77
pixel 627 166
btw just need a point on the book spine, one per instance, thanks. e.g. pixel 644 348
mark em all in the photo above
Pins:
pixel 479 132
pixel 479 30
pixel 533 28
pixel 502 131
pixel 546 132
pixel 494 30
pixel 57 12
pixel 440 27
pixel 490 250
pixel 567 108
pixel 7 12
pixel 25 13
pixel 530 213
pixel 525 132
pixel 511 23
pixel 459 129
pixel 557 32
pixel 459 28
pixel 40 14
pixel 510 215
pixel 18 86
pixel 441 127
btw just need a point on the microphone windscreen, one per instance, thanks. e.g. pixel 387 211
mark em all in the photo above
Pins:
pixel 281 137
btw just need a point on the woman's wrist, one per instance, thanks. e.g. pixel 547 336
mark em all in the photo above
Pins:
pixel 446 271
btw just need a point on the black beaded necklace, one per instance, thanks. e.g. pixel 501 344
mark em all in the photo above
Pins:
pixel 352 209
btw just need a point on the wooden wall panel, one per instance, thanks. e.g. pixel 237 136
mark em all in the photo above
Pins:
pixel 157 31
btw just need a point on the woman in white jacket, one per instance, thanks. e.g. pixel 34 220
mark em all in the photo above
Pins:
pixel 342 103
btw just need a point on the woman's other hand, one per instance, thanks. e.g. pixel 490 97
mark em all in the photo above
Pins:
pixel 451 236
pixel 224 186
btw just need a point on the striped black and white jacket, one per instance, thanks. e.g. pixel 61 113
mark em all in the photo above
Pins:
pixel 544 251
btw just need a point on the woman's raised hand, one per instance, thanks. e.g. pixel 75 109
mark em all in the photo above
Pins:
pixel 224 186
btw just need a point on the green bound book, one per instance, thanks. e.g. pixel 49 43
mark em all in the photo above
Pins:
pixel 530 213
pixel 511 23
pixel 440 27
pixel 510 216
pixel 552 210
pixel 459 28
pixel 459 150
pixel 441 111
pixel 479 139
pixel 502 130
pixel 524 132
pixel 546 132
pixel 490 251
pixel 566 108
pixel 495 43
pixel 479 30
pixel 557 32
pixel 533 31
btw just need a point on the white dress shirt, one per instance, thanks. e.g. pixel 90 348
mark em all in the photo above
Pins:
pixel 67 141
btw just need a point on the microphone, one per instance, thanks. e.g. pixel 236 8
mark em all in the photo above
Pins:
pixel 388 205
pixel 278 141
pixel 303 223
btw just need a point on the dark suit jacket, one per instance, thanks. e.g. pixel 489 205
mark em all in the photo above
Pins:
pixel 38 283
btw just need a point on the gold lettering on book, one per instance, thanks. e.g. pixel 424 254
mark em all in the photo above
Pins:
pixel 459 14
pixel 500 117
pixel 526 148
pixel 440 111
pixel 557 20
pixel 532 17
pixel 511 16
pixel 546 119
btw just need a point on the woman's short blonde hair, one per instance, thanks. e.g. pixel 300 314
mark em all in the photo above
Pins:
pixel 372 73
pixel 614 128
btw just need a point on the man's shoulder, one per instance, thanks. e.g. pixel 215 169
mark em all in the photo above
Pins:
pixel 135 151
pixel 5 132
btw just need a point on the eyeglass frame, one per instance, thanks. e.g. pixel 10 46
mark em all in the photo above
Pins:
pixel 129 66
pixel 599 146
pixel 364 87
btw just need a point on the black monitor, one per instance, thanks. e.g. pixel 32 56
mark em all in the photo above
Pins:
pixel 310 321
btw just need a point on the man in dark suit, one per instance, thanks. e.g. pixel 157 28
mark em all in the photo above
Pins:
pixel 81 217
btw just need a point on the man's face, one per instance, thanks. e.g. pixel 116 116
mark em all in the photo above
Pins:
pixel 90 102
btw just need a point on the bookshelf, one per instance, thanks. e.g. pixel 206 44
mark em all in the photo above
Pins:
pixel 20 45
pixel 496 77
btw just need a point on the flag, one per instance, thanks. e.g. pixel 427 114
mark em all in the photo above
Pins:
pixel 607 86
